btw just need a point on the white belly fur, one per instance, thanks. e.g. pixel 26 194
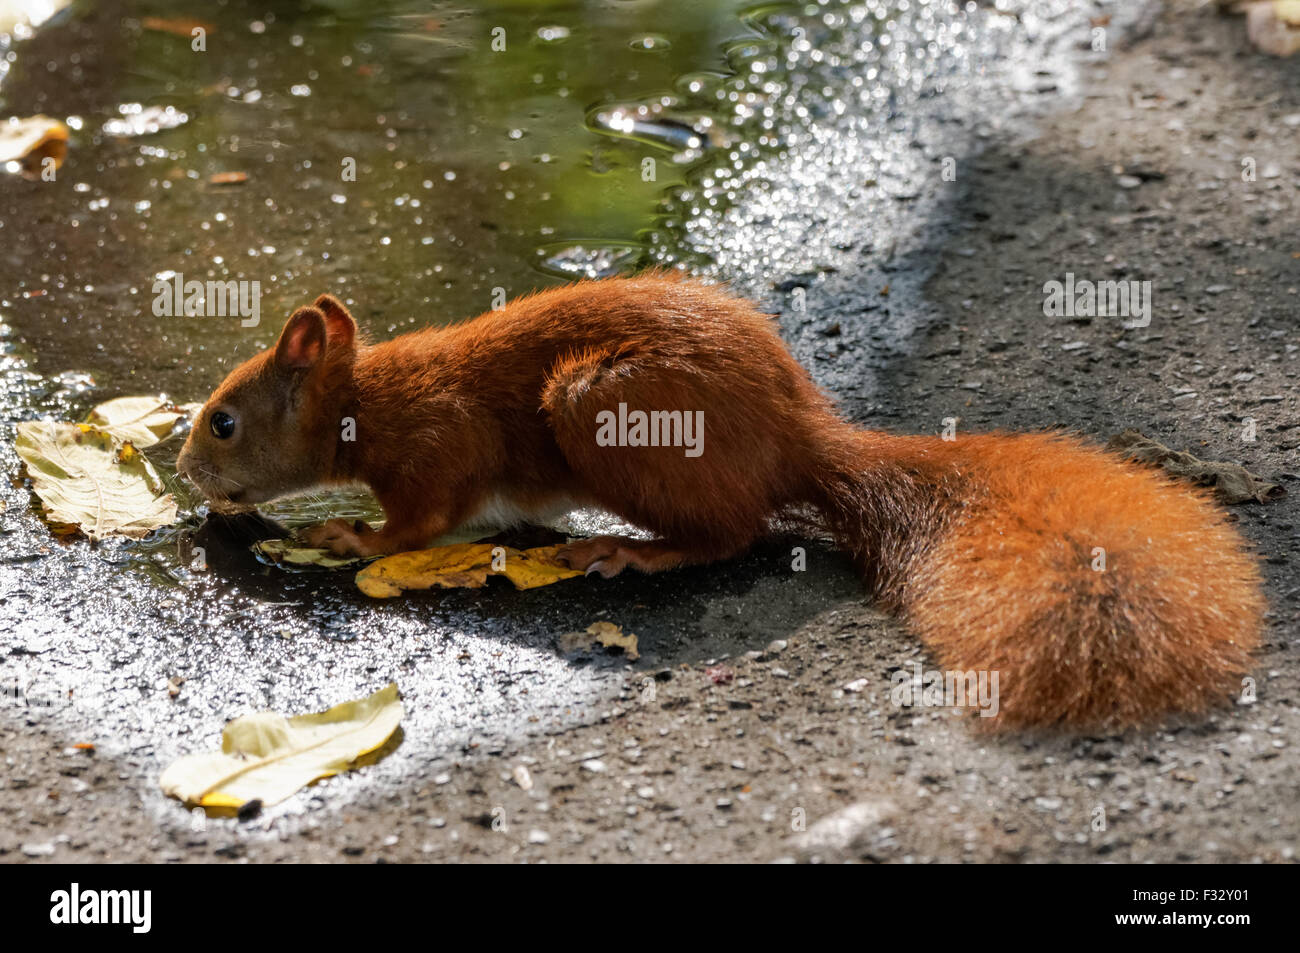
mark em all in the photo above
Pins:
pixel 499 512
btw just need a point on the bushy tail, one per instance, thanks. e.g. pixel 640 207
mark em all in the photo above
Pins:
pixel 1102 594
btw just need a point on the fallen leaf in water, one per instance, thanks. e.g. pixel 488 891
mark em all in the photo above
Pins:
pixel 604 633
pixel 1232 482
pixel 142 420
pixel 89 480
pixel 461 566
pixel 266 757
pixel 26 143
pixel 228 178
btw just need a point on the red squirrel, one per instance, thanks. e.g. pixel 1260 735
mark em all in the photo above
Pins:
pixel 989 545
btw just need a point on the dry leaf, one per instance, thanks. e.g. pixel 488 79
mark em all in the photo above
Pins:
pixel 1232 482
pixel 89 480
pixel 530 568
pixel 291 553
pixel 1274 27
pixel 266 757
pixel 461 566
pixel 141 420
pixel 28 142
pixel 92 477
pixel 605 633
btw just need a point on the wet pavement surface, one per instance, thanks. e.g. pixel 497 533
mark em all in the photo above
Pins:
pixel 820 192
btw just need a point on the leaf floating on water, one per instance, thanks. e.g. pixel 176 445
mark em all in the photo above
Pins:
pixel 141 420
pixel 89 480
pixel 26 143
pixel 461 566
pixel 605 633
pixel 266 757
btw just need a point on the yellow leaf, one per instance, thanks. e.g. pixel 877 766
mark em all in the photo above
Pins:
pixel 462 566
pixel 89 480
pixel 1288 11
pixel 28 142
pixel 142 420
pixel 531 568
pixel 92 477
pixel 292 553
pixel 606 633
pixel 266 757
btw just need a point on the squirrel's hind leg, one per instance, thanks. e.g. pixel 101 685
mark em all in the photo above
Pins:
pixel 704 501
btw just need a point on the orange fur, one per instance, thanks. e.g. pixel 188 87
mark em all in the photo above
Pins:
pixel 985 543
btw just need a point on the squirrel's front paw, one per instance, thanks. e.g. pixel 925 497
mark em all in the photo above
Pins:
pixel 340 537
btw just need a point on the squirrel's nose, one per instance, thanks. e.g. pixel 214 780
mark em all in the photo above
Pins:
pixel 183 463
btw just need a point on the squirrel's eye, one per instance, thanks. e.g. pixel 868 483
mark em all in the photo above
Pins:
pixel 223 425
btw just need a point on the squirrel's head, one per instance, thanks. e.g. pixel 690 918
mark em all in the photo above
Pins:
pixel 273 426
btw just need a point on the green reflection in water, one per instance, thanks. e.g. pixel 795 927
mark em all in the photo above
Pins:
pixel 487 141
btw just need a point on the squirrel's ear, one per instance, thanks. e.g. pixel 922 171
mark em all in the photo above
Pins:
pixel 339 323
pixel 302 342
